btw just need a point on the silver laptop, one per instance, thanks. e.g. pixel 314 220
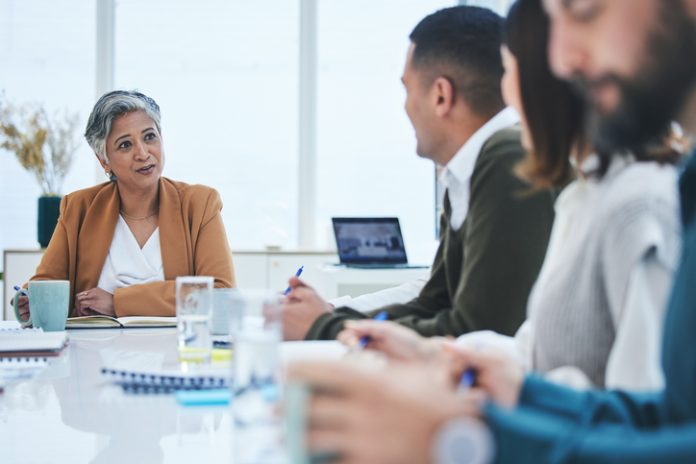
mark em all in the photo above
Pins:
pixel 375 243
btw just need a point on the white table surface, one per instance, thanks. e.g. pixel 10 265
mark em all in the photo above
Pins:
pixel 70 414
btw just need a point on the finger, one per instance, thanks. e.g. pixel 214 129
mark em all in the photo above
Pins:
pixel 472 357
pixel 356 329
pixel 454 362
pixel 99 309
pixel 477 397
pixel 92 292
pixel 374 329
pixel 302 293
pixel 296 282
pixel 91 311
pixel 82 311
pixel 292 296
pixel 327 442
pixel 89 302
pixel 348 338
pixel 327 412
pixel 20 299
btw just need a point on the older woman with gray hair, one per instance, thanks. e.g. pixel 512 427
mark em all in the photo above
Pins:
pixel 122 243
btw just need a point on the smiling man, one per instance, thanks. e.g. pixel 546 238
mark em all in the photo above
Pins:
pixel 637 73
pixel 494 231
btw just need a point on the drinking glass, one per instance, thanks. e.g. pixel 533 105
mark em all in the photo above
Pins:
pixel 257 379
pixel 194 304
pixel 228 311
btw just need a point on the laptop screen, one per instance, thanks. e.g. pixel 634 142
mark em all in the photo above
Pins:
pixel 369 241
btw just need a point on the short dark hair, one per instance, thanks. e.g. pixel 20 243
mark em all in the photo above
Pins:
pixel 462 43
pixel 554 113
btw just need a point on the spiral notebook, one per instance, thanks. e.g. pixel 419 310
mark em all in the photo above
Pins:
pixel 164 381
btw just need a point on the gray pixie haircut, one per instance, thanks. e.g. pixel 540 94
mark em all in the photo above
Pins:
pixel 109 107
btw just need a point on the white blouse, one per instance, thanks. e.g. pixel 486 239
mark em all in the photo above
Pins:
pixel 127 264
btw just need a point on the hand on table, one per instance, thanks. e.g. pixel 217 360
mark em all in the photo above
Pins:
pixel 393 340
pixel 94 301
pixel 302 307
pixel 386 416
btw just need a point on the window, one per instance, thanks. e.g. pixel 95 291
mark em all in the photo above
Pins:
pixel 225 76
pixel 367 163
pixel 499 6
pixel 48 58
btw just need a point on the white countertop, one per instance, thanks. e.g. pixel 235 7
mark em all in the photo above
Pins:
pixel 70 414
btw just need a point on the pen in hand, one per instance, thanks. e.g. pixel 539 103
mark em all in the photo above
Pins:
pixel 19 289
pixel 468 378
pixel 297 274
pixel 380 317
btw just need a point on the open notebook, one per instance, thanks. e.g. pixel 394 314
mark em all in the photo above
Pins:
pixel 105 322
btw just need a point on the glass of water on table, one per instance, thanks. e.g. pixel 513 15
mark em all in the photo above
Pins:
pixel 194 306
pixel 257 380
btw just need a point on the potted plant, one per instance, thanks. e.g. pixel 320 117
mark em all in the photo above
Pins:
pixel 44 146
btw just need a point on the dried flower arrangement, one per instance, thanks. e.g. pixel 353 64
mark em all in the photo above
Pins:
pixel 43 145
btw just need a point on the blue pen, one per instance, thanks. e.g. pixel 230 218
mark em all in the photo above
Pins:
pixel 20 290
pixel 380 317
pixel 468 378
pixel 297 274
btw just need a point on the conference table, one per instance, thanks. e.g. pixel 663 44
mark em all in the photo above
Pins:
pixel 70 413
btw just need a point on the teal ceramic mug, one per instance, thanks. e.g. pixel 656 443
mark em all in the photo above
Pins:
pixel 48 304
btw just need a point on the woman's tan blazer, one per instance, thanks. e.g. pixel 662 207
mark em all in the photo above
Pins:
pixel 192 242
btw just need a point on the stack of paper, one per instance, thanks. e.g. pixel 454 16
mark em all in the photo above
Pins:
pixel 31 343
pixel 25 352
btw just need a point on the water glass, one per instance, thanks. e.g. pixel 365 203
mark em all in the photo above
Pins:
pixel 228 311
pixel 194 305
pixel 257 380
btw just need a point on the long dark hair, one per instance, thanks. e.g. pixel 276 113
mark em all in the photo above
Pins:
pixel 554 113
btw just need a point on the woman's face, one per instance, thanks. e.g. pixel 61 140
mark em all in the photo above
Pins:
pixel 134 151
pixel 510 85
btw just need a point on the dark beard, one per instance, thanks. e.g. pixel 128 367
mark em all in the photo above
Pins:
pixel 656 95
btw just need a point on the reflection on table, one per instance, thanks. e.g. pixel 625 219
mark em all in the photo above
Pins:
pixel 70 413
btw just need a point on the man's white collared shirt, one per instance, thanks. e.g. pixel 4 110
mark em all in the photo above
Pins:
pixel 456 175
